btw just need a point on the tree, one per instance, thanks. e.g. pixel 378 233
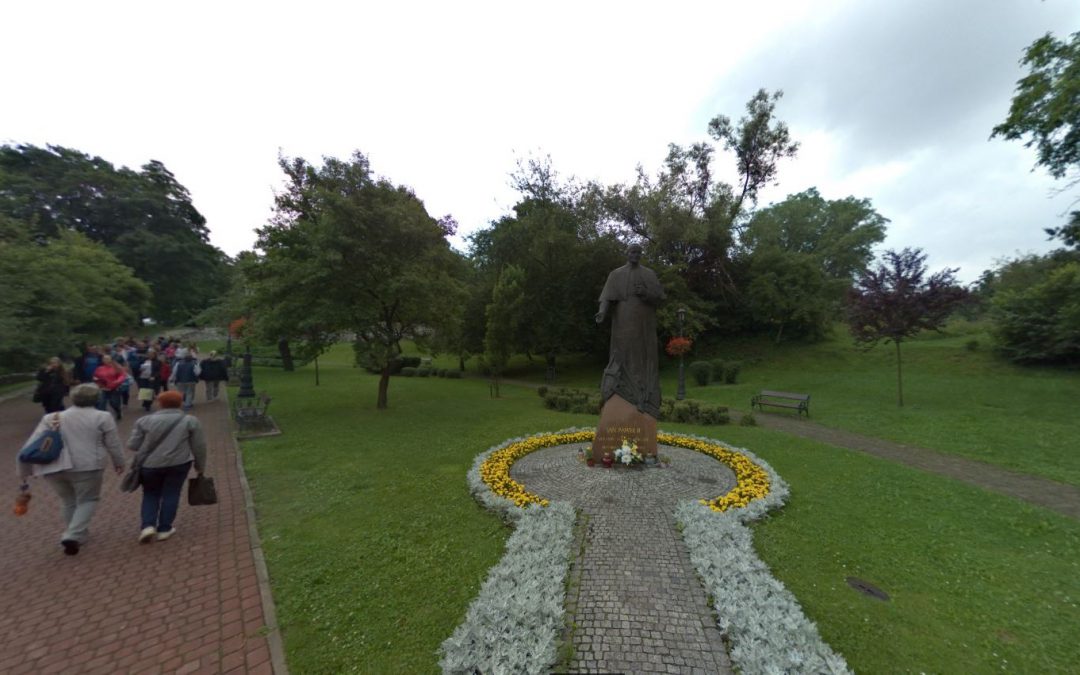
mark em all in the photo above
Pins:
pixel 563 259
pixel 1045 109
pixel 360 255
pixel 692 222
pixel 504 315
pixel 53 294
pixel 145 218
pixel 1035 306
pixel 895 301
pixel 803 255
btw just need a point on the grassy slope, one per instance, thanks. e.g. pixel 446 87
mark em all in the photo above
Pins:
pixel 964 402
pixel 375 547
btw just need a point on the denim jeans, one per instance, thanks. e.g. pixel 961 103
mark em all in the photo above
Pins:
pixel 187 389
pixel 161 494
pixel 109 399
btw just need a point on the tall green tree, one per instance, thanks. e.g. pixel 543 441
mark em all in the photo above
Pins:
pixel 505 314
pixel 692 222
pixel 145 218
pixel 53 294
pixel 897 300
pixel 803 254
pixel 563 260
pixel 369 260
pixel 1046 111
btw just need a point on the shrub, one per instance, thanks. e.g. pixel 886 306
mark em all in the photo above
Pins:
pixel 667 407
pixel 971 345
pixel 542 390
pixel 681 412
pixel 408 371
pixel 593 405
pixel 748 420
pixel 712 414
pixel 731 371
pixel 410 361
pixel 423 372
pixel 718 366
pixel 453 374
pixel 701 370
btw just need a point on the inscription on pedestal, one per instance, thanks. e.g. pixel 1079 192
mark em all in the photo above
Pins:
pixel 621 420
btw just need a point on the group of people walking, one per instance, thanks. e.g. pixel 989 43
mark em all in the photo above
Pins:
pixel 152 366
pixel 164 445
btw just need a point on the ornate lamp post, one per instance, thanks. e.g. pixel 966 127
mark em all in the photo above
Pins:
pixel 247 387
pixel 681 393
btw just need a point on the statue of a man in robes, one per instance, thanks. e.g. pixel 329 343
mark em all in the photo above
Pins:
pixel 631 295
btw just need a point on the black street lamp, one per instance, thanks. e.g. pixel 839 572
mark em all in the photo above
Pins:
pixel 681 393
pixel 247 386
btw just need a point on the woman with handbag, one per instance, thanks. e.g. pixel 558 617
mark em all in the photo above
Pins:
pixel 165 444
pixel 76 475
pixel 149 381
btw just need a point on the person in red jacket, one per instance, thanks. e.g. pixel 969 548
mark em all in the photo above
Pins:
pixel 108 377
pixel 166 371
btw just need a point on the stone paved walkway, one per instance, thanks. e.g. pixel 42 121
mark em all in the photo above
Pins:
pixel 636 602
pixel 192 604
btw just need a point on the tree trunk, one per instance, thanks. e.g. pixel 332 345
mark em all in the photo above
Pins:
pixel 316 371
pixel 779 332
pixel 549 376
pixel 384 384
pixel 286 354
pixel 899 377
pixel 461 363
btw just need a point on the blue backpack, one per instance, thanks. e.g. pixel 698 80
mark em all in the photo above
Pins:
pixel 46 447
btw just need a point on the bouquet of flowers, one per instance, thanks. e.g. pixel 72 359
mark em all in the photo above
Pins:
pixel 628 454
pixel 678 346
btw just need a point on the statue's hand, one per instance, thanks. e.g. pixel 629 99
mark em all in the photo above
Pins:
pixel 599 317
pixel 639 289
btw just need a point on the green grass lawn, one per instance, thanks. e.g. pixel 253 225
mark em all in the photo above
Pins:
pixel 375 547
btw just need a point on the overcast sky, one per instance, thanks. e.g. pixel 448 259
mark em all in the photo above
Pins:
pixel 891 101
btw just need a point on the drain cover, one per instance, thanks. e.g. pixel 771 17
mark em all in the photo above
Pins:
pixel 867 588
pixel 707 480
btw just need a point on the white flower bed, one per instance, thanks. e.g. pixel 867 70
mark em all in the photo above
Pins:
pixel 766 626
pixel 513 625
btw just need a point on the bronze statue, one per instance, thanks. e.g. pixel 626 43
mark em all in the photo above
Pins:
pixel 631 295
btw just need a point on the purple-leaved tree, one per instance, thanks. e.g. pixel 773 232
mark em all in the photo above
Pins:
pixel 895 301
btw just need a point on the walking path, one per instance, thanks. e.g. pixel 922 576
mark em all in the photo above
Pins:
pixel 635 601
pixel 197 603
pixel 1050 494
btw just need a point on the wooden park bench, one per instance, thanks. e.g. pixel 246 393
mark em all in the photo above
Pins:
pixel 782 399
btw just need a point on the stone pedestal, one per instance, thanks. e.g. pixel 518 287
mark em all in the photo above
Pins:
pixel 620 419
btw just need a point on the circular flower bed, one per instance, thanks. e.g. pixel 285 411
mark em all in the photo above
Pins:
pixel 752 482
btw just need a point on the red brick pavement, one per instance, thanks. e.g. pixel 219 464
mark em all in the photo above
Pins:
pixel 191 604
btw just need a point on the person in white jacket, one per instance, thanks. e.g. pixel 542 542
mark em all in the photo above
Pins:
pixel 89 436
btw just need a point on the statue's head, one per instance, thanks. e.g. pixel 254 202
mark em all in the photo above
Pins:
pixel 633 254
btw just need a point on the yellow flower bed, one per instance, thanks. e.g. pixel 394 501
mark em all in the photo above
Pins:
pixel 751 480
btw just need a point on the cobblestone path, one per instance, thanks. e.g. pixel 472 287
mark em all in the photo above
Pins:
pixel 635 601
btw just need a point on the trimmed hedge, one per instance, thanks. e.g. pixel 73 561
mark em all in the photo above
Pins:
pixel 585 402
pixel 701 372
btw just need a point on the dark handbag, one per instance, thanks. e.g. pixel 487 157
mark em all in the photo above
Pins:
pixel 133 478
pixel 201 491
pixel 45 449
